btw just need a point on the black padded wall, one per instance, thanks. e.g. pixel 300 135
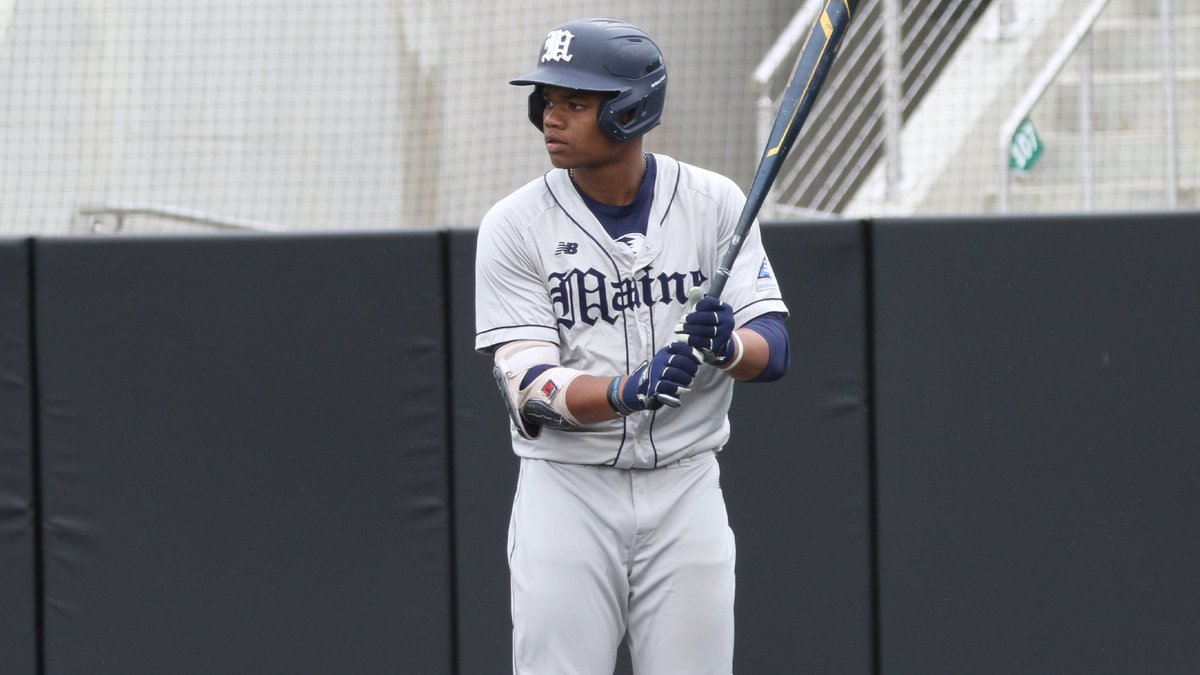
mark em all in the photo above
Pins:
pixel 485 476
pixel 281 454
pixel 1036 389
pixel 18 589
pixel 244 454
pixel 795 472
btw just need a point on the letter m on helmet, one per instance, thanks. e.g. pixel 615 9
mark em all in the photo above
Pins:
pixel 558 46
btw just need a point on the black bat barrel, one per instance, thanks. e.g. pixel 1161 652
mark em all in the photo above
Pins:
pixel 816 57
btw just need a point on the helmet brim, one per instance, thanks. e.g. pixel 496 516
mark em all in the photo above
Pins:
pixel 567 79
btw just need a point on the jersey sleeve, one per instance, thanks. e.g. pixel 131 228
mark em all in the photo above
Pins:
pixel 511 300
pixel 753 288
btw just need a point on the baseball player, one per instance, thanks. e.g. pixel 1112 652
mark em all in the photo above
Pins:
pixel 616 372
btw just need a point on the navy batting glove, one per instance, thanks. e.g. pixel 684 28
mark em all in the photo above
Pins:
pixel 668 374
pixel 709 328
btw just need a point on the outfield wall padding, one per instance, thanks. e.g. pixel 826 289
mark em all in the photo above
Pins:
pixel 244 454
pixel 18 566
pixel 1037 383
pixel 280 453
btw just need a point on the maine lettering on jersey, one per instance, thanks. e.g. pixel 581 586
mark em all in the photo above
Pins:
pixel 589 296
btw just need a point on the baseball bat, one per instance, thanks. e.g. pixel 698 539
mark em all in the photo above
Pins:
pixel 816 57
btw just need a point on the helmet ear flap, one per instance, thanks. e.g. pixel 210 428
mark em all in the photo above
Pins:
pixel 623 122
pixel 537 107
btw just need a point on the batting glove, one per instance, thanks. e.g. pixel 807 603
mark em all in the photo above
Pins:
pixel 709 328
pixel 661 380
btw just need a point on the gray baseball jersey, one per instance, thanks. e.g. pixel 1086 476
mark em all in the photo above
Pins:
pixel 547 270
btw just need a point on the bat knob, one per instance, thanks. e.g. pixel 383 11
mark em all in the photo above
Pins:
pixel 667 399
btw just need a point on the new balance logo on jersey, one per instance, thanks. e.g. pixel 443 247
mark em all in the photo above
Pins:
pixel 589 296
pixel 558 46
pixel 566 247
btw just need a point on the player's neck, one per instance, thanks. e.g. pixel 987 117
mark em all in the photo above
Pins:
pixel 616 184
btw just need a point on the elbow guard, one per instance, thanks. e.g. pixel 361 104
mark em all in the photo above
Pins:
pixel 540 401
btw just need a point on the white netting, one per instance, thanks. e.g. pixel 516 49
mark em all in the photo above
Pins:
pixel 369 114
pixel 1117 127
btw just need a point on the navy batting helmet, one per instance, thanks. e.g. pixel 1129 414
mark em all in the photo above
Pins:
pixel 603 55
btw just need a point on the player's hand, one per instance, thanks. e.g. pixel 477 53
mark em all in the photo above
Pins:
pixel 708 327
pixel 661 380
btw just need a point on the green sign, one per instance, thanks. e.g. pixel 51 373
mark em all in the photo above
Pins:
pixel 1025 149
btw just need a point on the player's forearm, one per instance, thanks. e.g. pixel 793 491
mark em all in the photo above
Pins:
pixel 587 399
pixel 755 353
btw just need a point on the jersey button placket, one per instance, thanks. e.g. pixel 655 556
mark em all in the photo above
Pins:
pixel 645 348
